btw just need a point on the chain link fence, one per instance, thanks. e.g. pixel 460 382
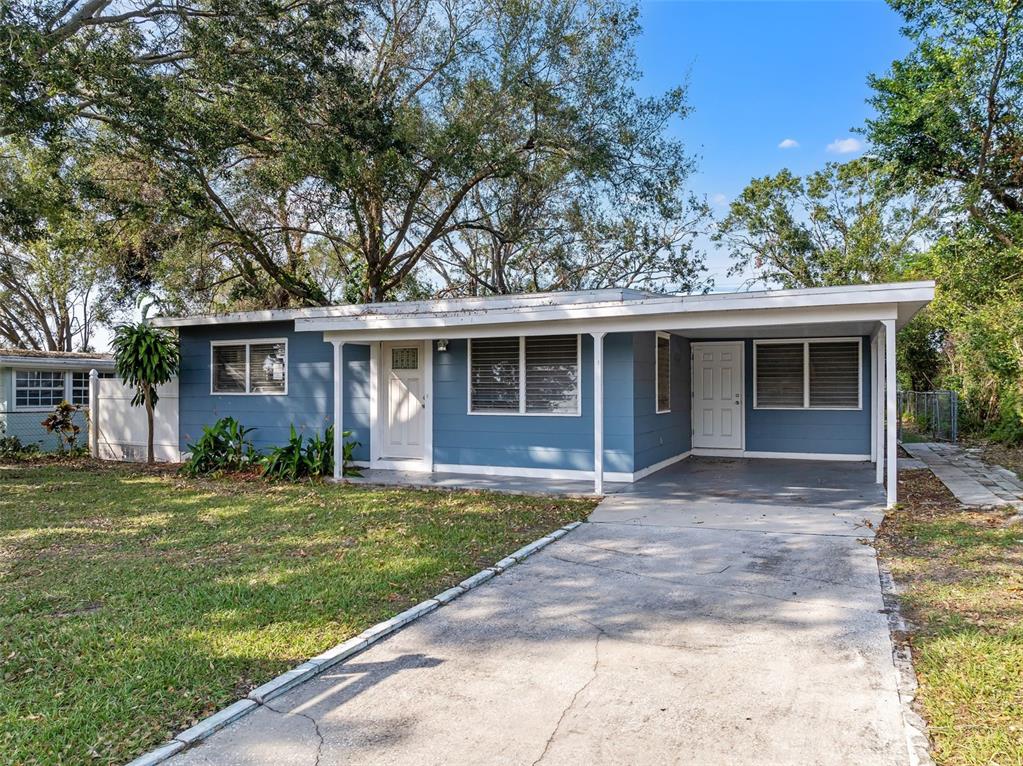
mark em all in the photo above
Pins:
pixel 26 426
pixel 930 414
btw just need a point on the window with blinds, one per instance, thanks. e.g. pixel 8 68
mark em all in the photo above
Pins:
pixel 810 374
pixel 494 375
pixel 524 375
pixel 250 367
pixel 552 374
pixel 780 375
pixel 663 384
pixel 835 374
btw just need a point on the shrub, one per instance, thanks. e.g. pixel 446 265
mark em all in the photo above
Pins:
pixel 296 460
pixel 62 422
pixel 224 446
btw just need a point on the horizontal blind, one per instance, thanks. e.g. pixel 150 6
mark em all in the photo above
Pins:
pixel 267 368
pixel 494 375
pixel 663 373
pixel 552 374
pixel 779 375
pixel 229 369
pixel 835 374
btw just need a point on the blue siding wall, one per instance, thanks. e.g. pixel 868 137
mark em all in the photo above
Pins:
pixel 665 435
pixel 532 441
pixel 308 405
pixel 842 432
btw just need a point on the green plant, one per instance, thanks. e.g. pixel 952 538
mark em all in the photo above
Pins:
pixel 145 357
pixel 296 459
pixel 62 422
pixel 224 446
pixel 13 448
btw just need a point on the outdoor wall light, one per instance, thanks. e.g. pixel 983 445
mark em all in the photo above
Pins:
pixel 442 344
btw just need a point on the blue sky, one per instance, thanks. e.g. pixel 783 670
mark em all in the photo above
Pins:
pixel 760 73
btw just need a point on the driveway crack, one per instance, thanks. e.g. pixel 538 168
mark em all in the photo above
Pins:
pixel 571 703
pixel 313 721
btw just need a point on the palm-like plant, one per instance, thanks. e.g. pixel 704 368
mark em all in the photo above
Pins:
pixel 145 357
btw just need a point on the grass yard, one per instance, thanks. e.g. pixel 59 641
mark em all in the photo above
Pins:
pixel 134 602
pixel 962 571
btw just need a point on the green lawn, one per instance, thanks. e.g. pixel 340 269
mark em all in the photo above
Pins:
pixel 963 574
pixel 133 603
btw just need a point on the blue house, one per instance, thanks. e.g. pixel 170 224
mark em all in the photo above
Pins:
pixel 601 385
pixel 33 383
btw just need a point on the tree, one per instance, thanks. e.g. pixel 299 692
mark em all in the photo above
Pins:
pixel 842 225
pixel 950 114
pixel 145 357
pixel 950 118
pixel 52 265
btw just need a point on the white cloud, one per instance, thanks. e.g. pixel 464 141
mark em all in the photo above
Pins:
pixel 845 145
pixel 789 143
pixel 719 199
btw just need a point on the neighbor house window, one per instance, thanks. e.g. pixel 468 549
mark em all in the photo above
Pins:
pixel 80 387
pixel 807 374
pixel 249 367
pixel 39 388
pixel 535 375
pixel 663 384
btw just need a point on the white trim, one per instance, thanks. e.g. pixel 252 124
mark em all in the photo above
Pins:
pixel 522 382
pixel 717 452
pixel 644 472
pixel 810 456
pixel 513 471
pixel 249 343
pixel 806 370
pixel 479 310
pixel 375 431
pixel 378 366
pixel 657 372
pixel 742 395
pixel 339 393
pixel 879 398
pixel 68 388
pixel 598 413
pixel 891 414
pixel 873 397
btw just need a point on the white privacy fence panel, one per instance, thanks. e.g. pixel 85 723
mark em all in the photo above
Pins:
pixel 120 430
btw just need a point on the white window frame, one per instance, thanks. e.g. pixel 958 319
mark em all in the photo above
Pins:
pixel 657 377
pixel 248 343
pixel 806 370
pixel 522 382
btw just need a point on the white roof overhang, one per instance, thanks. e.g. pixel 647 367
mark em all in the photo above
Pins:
pixel 797 312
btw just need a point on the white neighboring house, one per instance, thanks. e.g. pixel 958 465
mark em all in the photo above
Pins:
pixel 33 383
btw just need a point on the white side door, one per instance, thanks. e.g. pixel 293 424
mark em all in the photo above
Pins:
pixel 717 395
pixel 404 400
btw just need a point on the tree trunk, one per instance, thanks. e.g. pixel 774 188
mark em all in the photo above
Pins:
pixel 149 420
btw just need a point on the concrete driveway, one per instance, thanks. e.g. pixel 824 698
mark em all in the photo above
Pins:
pixel 720 612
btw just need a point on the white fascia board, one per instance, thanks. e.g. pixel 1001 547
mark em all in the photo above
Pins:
pixel 44 363
pixel 663 308
pixel 546 306
pixel 411 308
pixel 675 322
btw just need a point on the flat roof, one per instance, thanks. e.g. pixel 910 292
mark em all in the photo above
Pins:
pixel 532 307
pixel 22 357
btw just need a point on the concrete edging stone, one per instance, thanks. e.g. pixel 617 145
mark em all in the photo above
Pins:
pixel 288 680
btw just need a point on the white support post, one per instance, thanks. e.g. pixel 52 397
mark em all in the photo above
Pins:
pixel 598 413
pixel 873 398
pixel 93 414
pixel 339 388
pixel 891 424
pixel 879 412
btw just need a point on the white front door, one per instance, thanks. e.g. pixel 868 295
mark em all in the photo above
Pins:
pixel 717 395
pixel 404 393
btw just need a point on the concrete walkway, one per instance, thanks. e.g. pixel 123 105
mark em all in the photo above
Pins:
pixel 745 627
pixel 969 478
